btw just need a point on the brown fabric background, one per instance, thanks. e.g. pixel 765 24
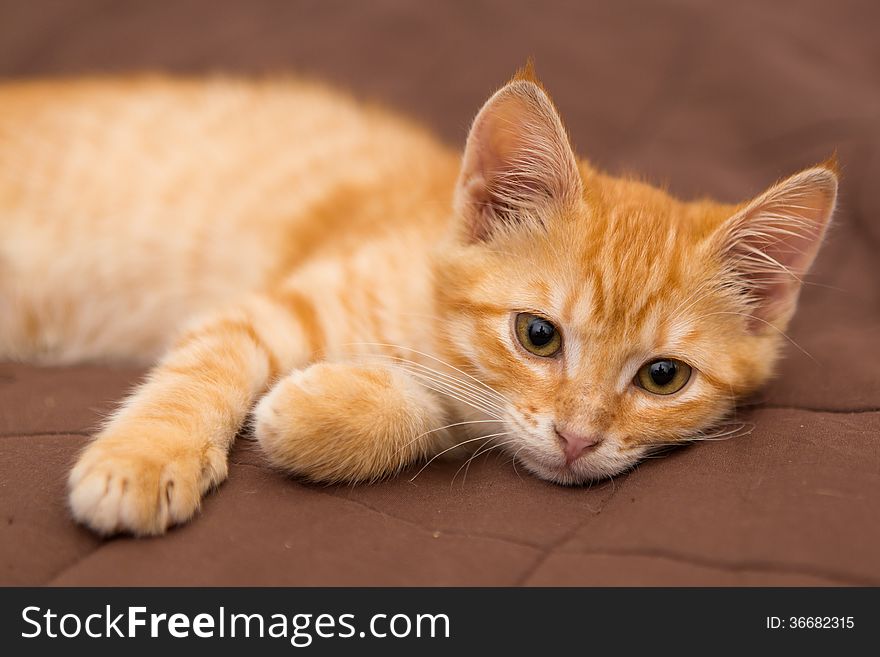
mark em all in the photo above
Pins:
pixel 715 101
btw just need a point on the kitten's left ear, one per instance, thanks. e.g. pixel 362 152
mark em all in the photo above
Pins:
pixel 772 242
pixel 517 162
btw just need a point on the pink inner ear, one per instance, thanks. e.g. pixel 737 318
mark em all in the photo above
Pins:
pixel 775 239
pixel 517 160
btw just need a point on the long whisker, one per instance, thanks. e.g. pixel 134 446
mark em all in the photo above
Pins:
pixel 448 426
pixel 448 378
pixel 742 429
pixel 449 449
pixel 434 358
pixel 745 427
pixel 453 393
pixel 781 332
pixel 513 461
pixel 460 393
pixel 472 457
pixel 448 385
pixel 454 390
pixel 480 451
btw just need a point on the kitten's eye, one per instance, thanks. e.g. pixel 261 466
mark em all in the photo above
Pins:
pixel 538 335
pixel 664 376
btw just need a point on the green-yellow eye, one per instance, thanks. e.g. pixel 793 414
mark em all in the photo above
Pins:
pixel 538 335
pixel 663 376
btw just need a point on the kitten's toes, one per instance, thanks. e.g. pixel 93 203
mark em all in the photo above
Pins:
pixel 127 487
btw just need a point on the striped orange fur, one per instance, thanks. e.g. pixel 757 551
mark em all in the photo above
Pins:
pixel 366 294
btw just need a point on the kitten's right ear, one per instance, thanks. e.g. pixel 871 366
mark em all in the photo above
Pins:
pixel 517 163
pixel 772 242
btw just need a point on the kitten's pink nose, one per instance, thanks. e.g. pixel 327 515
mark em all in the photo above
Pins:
pixel 575 445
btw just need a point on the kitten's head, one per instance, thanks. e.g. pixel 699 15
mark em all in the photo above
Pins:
pixel 608 318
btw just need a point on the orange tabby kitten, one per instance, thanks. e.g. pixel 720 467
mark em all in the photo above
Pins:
pixel 369 293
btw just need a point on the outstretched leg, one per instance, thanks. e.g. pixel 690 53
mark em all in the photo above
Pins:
pixel 349 422
pixel 151 464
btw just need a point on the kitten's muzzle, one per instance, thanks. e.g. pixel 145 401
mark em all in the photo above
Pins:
pixel 574 445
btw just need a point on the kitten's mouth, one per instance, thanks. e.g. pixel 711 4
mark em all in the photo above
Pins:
pixel 561 471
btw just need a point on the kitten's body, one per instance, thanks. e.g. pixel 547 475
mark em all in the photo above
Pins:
pixel 129 206
pixel 304 228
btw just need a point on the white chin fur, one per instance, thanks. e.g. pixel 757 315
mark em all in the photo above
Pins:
pixel 587 469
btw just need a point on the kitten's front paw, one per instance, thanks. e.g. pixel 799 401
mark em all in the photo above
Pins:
pixel 140 486
pixel 342 422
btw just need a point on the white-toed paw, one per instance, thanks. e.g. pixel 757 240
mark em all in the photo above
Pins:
pixel 140 486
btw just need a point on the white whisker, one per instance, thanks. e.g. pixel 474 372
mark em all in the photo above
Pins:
pixel 775 328
pixel 449 449
pixel 434 358
pixel 448 426
pixel 480 451
pixel 448 378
